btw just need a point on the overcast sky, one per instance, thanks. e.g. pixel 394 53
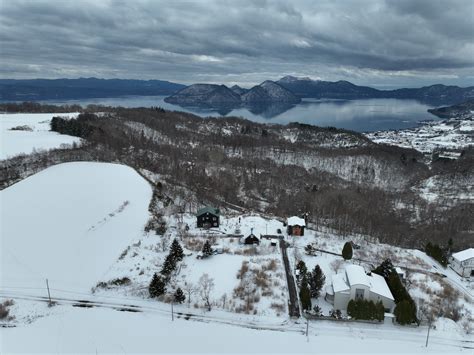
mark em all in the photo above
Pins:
pixel 379 43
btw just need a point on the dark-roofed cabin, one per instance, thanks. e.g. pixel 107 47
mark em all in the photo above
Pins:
pixel 251 239
pixel 208 217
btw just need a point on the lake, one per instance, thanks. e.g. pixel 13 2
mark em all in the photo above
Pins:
pixel 359 115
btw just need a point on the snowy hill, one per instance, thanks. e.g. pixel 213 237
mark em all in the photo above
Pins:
pixel 69 223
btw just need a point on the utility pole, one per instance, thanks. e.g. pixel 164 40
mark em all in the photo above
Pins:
pixel 307 326
pixel 49 295
pixel 428 335
pixel 172 312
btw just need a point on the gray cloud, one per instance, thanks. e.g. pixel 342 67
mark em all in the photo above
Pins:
pixel 368 42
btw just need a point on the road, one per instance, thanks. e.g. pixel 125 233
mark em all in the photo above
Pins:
pixel 293 304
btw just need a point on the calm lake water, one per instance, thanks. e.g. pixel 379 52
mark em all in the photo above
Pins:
pixel 358 115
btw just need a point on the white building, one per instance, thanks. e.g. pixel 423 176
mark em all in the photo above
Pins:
pixel 355 284
pixel 463 262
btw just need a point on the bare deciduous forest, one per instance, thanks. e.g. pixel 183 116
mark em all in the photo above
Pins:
pixel 342 179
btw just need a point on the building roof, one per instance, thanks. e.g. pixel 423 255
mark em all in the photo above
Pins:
pixel 356 275
pixel 379 286
pixel 464 255
pixel 339 283
pixel 211 210
pixel 296 221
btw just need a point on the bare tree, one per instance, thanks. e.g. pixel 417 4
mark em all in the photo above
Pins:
pixel 206 285
pixel 336 265
pixel 190 289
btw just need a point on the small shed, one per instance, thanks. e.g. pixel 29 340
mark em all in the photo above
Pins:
pixel 295 226
pixel 208 217
pixel 463 262
pixel 251 239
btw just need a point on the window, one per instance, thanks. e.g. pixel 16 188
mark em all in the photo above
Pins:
pixel 359 294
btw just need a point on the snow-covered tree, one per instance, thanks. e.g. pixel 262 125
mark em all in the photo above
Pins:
pixel 176 251
pixel 207 249
pixel 316 281
pixel 157 286
pixel 179 296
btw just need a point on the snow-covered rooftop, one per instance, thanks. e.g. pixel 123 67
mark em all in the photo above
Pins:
pixel 339 283
pixel 464 255
pixel 356 275
pixel 379 286
pixel 296 221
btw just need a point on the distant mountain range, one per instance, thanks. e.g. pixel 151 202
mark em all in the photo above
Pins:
pixel 287 91
pixel 67 89
pixel 307 88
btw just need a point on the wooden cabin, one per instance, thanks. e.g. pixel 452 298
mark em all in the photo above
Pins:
pixel 208 217
pixel 295 226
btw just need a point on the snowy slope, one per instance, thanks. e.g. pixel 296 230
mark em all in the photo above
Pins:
pixel 69 223
pixel 14 142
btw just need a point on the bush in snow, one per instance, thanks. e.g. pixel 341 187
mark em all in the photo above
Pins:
pixel 157 286
pixel 347 251
pixel 207 249
pixel 179 296
pixel 5 311
pixel 435 251
pixel 364 309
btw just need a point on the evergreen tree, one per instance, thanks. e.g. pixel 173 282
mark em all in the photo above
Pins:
pixel 157 286
pixel 305 295
pixel 179 296
pixel 207 249
pixel 176 250
pixel 384 269
pixel 347 251
pixel 168 266
pixel 405 312
pixel 380 311
pixel 316 281
pixel 301 266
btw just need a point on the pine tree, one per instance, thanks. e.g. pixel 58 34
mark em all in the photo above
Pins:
pixel 301 266
pixel 179 296
pixel 316 281
pixel 384 269
pixel 207 249
pixel 176 250
pixel 157 286
pixel 305 295
pixel 168 266
pixel 347 251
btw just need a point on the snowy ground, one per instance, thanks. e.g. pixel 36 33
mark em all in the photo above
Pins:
pixel 69 223
pixel 78 224
pixel 35 133
pixel 451 135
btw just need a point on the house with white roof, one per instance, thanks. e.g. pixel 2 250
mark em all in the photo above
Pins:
pixel 354 284
pixel 295 226
pixel 463 262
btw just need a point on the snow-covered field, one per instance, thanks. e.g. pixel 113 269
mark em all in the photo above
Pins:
pixel 69 223
pixel 33 133
pixel 99 331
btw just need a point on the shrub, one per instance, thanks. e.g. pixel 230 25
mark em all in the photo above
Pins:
pixel 305 295
pixel 347 251
pixel 365 309
pixel 4 309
